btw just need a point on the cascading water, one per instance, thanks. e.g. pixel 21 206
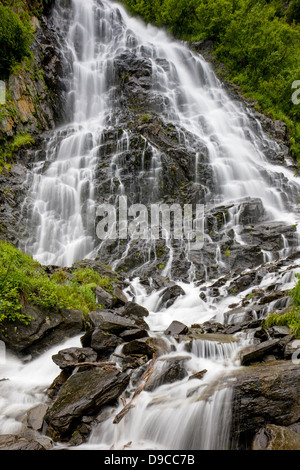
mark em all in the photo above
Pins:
pixel 189 414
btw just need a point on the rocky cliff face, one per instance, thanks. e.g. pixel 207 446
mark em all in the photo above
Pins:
pixel 34 105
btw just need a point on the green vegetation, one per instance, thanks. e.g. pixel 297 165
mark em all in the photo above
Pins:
pixel 292 317
pixel 23 279
pixel 256 40
pixel 15 39
pixel 9 148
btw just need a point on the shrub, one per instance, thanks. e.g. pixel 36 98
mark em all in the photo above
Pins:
pixel 24 279
pixel 15 39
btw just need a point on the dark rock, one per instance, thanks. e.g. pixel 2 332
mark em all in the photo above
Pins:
pixel 58 383
pixel 83 394
pixel 130 335
pixel 146 346
pixel 198 375
pixel 169 373
pixel 100 268
pixel 14 442
pixel 169 295
pixel 291 348
pixel 103 343
pixel 120 297
pixel 260 396
pixel 104 298
pixel 132 308
pixel 48 327
pixel 109 321
pixel 272 437
pixel 67 357
pixel 35 417
pixel 176 328
pixel 261 333
pixel 256 352
pixel 280 331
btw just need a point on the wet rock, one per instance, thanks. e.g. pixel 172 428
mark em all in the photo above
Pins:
pixel 14 442
pixel 103 343
pixel 67 357
pixel 176 328
pixel 48 327
pixel 292 348
pixel 169 295
pixel 280 331
pixel 256 352
pixel 130 335
pixel 272 437
pixel 58 382
pixel 240 315
pixel 104 298
pixel 169 373
pixel 83 394
pixel 109 321
pixel 35 417
pixel 119 296
pixel 260 396
pixel 198 375
pixel 132 308
pixel 146 346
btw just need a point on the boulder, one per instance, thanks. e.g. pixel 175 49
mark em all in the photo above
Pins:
pixel 130 335
pixel 256 352
pixel 176 328
pixel 69 356
pixel 146 346
pixel 272 437
pixel 120 298
pixel 170 372
pixel 83 394
pixel 169 295
pixel 104 343
pixel 35 417
pixel 109 321
pixel 104 298
pixel 132 308
pixel 14 442
pixel 263 393
pixel 48 327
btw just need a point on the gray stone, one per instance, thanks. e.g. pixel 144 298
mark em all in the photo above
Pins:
pixel 83 394
pixel 272 437
pixel 14 442
pixel 69 356
pixel 256 352
pixel 35 417
pixel 176 328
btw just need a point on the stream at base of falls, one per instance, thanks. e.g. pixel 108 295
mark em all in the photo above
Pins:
pixel 188 414
pixel 191 413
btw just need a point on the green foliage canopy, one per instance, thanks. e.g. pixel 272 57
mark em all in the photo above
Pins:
pixel 15 39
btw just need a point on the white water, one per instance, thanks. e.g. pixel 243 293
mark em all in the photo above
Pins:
pixel 63 205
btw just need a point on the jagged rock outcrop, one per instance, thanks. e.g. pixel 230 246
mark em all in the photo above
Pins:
pixel 34 107
pixel 264 394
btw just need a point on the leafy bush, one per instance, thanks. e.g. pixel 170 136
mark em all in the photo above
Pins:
pixel 15 39
pixel 292 317
pixel 24 279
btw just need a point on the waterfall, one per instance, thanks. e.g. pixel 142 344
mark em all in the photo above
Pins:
pixel 86 161
pixel 105 154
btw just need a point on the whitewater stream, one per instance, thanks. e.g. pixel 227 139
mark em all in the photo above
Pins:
pixel 188 414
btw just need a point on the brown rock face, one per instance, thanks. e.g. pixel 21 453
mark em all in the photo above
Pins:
pixel 266 393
